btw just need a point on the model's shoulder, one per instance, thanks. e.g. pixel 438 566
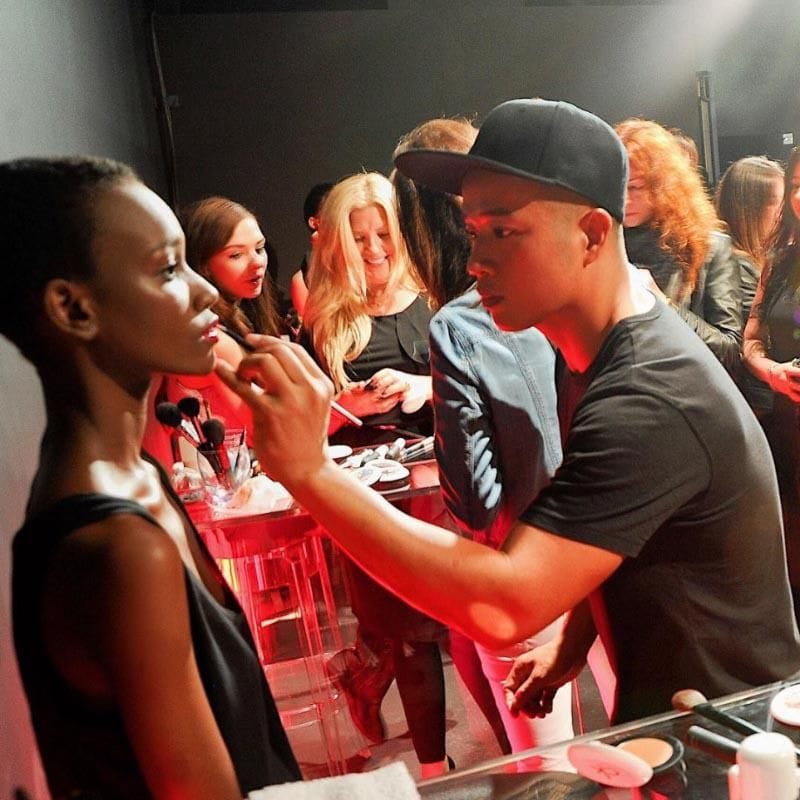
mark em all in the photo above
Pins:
pixel 122 537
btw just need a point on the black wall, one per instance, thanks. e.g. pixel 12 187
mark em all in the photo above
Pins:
pixel 271 103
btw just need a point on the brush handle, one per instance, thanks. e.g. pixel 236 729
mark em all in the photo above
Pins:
pixel 346 414
pixel 730 721
pixel 727 720
pixel 245 345
pixel 713 744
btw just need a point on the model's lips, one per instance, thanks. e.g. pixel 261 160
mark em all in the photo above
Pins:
pixel 211 332
pixel 375 261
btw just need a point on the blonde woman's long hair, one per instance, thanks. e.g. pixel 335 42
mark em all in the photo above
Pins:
pixel 683 214
pixel 337 310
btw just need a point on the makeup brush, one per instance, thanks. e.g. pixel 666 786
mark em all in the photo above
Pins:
pixel 214 432
pixel 713 744
pixel 170 415
pixel 692 700
pixel 190 407
pixel 245 345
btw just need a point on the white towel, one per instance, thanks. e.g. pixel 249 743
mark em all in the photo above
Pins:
pixel 392 782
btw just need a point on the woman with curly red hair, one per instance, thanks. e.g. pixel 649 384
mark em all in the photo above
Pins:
pixel 672 230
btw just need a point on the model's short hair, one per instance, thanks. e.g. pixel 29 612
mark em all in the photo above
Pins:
pixel 47 224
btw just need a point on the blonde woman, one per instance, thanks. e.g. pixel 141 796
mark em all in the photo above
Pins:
pixel 366 318
pixel 366 322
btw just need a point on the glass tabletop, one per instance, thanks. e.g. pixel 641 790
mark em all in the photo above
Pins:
pixel 697 776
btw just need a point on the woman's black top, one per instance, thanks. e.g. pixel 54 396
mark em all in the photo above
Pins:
pixel 85 750
pixel 397 341
pixel 783 321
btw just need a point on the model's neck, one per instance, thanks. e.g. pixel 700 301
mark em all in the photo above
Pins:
pixel 90 411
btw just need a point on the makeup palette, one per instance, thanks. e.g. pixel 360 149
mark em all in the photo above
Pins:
pixel 627 764
pixel 785 706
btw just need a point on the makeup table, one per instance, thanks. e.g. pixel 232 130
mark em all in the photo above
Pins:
pixel 698 777
pixel 280 564
pixel 229 535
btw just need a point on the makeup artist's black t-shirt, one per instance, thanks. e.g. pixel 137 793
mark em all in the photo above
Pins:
pixel 665 464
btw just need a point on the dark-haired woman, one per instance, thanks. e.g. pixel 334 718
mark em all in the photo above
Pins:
pixel 748 200
pixel 225 244
pixel 771 345
pixel 139 667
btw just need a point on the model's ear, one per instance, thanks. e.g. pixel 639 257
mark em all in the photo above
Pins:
pixel 68 306
pixel 596 226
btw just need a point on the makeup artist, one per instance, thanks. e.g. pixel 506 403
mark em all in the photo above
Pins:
pixel 662 534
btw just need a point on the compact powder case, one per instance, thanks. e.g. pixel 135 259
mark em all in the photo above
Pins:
pixel 627 764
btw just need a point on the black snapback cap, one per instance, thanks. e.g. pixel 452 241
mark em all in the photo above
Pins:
pixel 549 141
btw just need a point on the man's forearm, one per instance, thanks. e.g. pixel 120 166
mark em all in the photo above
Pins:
pixel 462 583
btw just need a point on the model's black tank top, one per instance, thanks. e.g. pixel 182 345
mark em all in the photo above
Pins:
pixel 85 751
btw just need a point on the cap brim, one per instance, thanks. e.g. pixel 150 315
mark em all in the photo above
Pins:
pixel 438 169
pixel 445 171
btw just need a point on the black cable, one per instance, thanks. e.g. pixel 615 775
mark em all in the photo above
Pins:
pixel 163 113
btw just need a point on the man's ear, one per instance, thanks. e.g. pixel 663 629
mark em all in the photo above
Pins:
pixel 596 226
pixel 69 307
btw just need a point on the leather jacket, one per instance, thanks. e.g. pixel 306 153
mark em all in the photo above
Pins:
pixel 714 309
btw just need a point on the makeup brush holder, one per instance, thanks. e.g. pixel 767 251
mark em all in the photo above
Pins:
pixel 225 468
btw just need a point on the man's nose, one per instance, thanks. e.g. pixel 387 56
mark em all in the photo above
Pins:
pixel 477 264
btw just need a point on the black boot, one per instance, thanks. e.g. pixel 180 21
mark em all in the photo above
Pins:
pixel 364 676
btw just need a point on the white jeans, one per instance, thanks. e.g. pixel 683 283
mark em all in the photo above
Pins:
pixel 526 732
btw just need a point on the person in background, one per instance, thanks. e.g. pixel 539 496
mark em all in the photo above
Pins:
pixel 672 231
pixel 226 245
pixel 497 436
pixel 366 316
pixel 771 349
pixel 748 200
pixel 366 322
pixel 688 145
pixel 141 673
pixel 298 288
pixel 665 506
